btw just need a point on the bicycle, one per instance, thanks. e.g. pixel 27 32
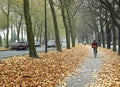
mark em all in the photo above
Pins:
pixel 95 52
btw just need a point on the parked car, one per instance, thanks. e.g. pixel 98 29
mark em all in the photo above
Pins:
pixel 19 45
pixel 37 44
pixel 51 43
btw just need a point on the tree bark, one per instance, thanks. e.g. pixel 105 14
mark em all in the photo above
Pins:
pixel 114 37
pixel 7 14
pixel 108 32
pixel 30 37
pixel 102 31
pixel 55 26
pixel 65 25
pixel 119 43
pixel 70 28
pixel 103 36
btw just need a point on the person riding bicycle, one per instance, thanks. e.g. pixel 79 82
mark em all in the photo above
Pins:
pixel 94 45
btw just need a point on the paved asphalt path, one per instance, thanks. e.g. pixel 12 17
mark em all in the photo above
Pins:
pixel 85 73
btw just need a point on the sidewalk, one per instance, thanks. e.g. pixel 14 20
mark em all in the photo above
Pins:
pixel 85 73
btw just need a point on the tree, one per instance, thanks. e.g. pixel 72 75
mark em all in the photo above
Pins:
pixel 7 13
pixel 0 40
pixel 30 37
pixel 3 21
pixel 63 11
pixel 89 13
pixel 16 17
pixel 113 7
pixel 55 26
pixel 70 8
pixel 114 36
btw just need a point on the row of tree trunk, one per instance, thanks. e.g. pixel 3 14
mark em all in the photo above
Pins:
pixel 66 20
pixel 108 24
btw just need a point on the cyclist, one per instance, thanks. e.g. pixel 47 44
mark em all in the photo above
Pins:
pixel 94 45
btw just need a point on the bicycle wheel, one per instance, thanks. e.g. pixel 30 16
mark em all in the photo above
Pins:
pixel 94 52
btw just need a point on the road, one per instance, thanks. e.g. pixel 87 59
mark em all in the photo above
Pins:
pixel 9 53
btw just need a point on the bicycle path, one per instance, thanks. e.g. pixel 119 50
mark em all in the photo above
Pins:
pixel 85 73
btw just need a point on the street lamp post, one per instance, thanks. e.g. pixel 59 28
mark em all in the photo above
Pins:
pixel 45 27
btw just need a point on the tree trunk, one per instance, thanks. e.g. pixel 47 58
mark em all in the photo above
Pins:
pixel 40 33
pixel 97 33
pixel 102 33
pixel 103 37
pixel 55 26
pixel 119 44
pixel 7 35
pixel 65 25
pixel 72 31
pixel 101 27
pixel 0 40
pixel 114 37
pixel 108 32
pixel 30 37
pixel 19 26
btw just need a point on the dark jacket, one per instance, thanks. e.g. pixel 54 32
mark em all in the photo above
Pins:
pixel 94 45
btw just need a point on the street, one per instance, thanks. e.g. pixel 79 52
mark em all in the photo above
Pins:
pixel 5 54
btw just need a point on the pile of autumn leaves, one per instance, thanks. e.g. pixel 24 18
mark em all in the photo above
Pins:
pixel 48 71
pixel 109 75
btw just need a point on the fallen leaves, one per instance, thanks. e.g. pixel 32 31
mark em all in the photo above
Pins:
pixel 50 70
pixel 109 76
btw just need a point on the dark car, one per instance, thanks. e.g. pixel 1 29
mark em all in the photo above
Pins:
pixel 19 45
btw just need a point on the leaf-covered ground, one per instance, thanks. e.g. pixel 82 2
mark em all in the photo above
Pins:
pixel 53 67
pixel 109 75
pixel 47 71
